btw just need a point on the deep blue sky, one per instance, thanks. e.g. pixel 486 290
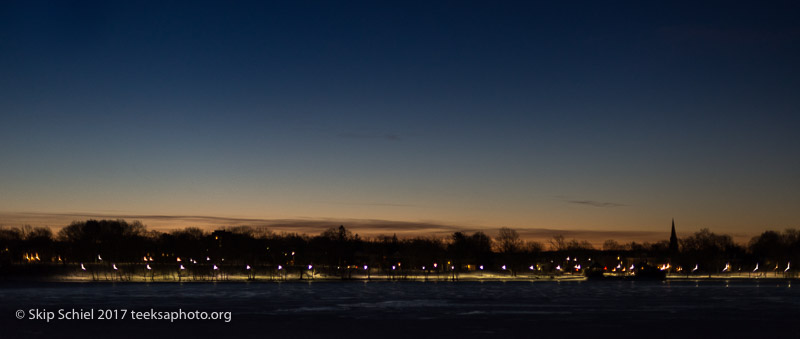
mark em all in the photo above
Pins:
pixel 577 116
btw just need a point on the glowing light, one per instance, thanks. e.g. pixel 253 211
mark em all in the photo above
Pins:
pixel 148 267
pixel 789 264
pixel 756 269
pixel 558 267
pixel 114 266
pixel 632 267
pixel 145 258
pixel 452 267
pixel 292 252
pixel 577 267
pixel 696 267
pixel 504 267
pixel 178 259
pixel 99 258
pixel 394 267
pixel 423 267
pixel 83 267
pixel 531 267
pixel 567 258
pixel 435 265
pixel 727 267
pixel 481 267
pixel 248 267
pixel 215 267
pixel 310 267
pixel 208 259
pixel 183 268
pixel 365 267
pixel 280 267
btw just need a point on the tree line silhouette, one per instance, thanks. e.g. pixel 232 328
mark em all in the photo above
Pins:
pixel 122 249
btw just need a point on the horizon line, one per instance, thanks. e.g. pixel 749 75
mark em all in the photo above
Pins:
pixel 363 227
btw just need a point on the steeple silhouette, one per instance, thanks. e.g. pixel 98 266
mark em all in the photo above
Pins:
pixel 673 240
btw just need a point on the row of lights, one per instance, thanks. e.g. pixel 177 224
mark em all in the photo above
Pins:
pixel 435 265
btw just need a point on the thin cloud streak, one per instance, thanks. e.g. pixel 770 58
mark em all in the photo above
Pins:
pixel 596 203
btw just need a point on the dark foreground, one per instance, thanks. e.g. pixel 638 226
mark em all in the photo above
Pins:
pixel 617 309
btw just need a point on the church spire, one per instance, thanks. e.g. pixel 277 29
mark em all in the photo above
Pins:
pixel 673 239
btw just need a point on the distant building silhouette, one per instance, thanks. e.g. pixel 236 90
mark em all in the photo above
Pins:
pixel 673 240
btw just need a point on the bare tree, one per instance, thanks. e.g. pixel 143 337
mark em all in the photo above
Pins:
pixel 558 243
pixel 508 241
pixel 533 247
pixel 613 245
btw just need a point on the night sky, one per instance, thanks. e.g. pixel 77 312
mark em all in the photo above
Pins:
pixel 580 116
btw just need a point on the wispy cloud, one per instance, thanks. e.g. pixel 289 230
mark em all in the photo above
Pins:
pixel 588 202
pixel 594 203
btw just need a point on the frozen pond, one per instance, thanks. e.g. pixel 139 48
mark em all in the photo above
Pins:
pixel 401 309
